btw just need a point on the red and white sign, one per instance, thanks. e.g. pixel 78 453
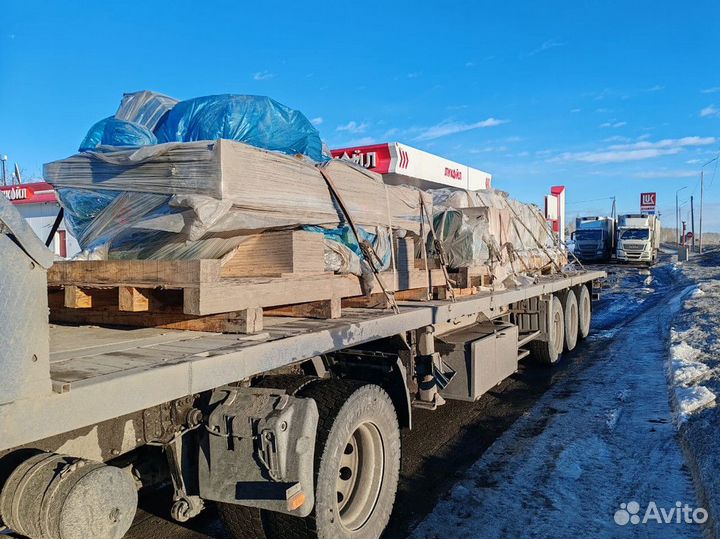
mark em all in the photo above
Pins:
pixel 648 202
pixel 414 166
pixel 29 193
pixel 555 210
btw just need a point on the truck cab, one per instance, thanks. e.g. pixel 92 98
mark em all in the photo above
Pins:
pixel 638 238
pixel 594 238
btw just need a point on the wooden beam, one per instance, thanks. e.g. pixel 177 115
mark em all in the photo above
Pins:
pixel 276 254
pixel 330 308
pixel 77 298
pixel 132 299
pixel 143 273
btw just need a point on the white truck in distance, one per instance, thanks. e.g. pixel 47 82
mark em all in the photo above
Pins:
pixel 638 238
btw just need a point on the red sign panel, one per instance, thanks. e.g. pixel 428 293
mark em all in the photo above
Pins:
pixel 648 201
pixel 375 157
pixel 29 193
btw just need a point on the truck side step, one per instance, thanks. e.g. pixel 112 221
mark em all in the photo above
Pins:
pixel 522 353
pixel 527 337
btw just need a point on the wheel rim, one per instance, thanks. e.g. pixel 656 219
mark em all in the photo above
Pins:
pixel 360 476
pixel 558 327
pixel 573 329
pixel 586 313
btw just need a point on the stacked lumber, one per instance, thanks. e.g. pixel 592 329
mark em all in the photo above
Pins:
pixel 216 192
pixel 225 295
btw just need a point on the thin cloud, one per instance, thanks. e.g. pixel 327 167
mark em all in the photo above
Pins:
pixel 637 151
pixel 612 124
pixel 655 88
pixel 575 110
pixel 353 127
pixel 413 75
pixel 663 173
pixel 710 110
pixel 547 45
pixel 450 128
pixel 263 75
pixel 469 64
pixel 712 90
pixel 317 121
pixel 614 156
pixel 666 143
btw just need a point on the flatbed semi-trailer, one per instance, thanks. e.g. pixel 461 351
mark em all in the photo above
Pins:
pixel 292 431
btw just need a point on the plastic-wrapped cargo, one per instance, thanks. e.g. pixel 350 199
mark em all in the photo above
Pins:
pixel 255 120
pixel 144 108
pixel 197 200
pixel 488 227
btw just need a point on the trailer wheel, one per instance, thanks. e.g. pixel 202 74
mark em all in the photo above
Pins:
pixel 570 309
pixel 357 464
pixel 549 351
pixel 584 311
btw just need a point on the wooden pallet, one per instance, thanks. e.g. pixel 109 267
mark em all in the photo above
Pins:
pixel 274 274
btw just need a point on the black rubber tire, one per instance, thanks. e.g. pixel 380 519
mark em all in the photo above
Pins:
pixel 342 406
pixel 584 311
pixel 550 351
pixel 572 320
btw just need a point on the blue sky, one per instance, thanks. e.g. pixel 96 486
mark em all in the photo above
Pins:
pixel 609 98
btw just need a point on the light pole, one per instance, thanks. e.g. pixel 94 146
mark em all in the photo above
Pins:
pixel 3 158
pixel 677 215
pixel 702 192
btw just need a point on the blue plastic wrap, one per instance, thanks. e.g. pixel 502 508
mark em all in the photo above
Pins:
pixel 259 121
pixel 114 132
pixel 344 236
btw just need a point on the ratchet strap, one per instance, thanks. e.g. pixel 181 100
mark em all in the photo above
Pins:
pixel 365 246
pixel 439 251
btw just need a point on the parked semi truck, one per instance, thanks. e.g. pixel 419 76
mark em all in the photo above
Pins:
pixel 292 432
pixel 594 238
pixel 638 238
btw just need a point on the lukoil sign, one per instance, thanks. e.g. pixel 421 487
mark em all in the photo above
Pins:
pixel 648 202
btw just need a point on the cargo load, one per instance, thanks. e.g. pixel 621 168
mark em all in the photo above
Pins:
pixel 148 185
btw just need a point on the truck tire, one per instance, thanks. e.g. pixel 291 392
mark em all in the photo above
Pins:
pixel 357 465
pixel 549 351
pixel 584 311
pixel 570 309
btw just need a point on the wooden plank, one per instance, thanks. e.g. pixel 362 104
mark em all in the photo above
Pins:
pixel 77 298
pixel 236 294
pixel 224 323
pixel 132 299
pixel 330 308
pixel 276 253
pixel 167 273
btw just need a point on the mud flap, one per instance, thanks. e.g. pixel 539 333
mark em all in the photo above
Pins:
pixel 257 449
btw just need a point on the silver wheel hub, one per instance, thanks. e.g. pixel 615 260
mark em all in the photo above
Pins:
pixel 360 476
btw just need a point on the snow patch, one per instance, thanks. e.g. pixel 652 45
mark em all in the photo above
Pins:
pixel 697 293
pixel 684 352
pixel 692 399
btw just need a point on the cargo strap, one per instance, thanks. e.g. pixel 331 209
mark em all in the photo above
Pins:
pixel 365 246
pixel 439 250
pixel 537 242
pixel 557 239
